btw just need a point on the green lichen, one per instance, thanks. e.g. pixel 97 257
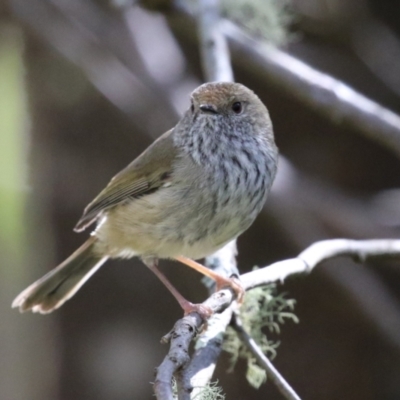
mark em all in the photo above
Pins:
pixel 211 391
pixel 264 309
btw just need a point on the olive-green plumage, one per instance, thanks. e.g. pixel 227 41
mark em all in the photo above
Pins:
pixel 138 178
pixel 196 188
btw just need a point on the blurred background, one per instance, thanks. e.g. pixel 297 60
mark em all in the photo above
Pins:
pixel 85 86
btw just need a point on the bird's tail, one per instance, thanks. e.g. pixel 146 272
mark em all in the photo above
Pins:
pixel 57 286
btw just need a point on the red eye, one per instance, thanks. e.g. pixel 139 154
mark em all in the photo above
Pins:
pixel 237 107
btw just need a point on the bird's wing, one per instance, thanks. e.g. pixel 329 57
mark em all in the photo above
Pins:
pixel 144 175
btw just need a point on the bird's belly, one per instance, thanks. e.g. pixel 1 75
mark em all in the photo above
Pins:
pixel 144 227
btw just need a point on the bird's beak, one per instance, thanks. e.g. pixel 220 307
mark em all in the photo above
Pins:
pixel 208 108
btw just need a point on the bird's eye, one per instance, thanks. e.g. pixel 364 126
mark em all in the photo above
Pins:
pixel 192 108
pixel 237 107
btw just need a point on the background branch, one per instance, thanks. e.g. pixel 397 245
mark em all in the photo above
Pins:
pixel 321 92
pixel 214 49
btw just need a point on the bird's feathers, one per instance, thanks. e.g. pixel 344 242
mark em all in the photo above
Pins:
pixel 145 174
pixel 61 283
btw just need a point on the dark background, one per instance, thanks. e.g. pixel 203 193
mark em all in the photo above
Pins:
pixel 84 88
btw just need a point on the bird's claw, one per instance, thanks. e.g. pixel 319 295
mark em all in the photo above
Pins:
pixel 234 283
pixel 204 311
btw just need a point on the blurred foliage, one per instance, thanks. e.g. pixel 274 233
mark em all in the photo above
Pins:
pixel 263 307
pixel 13 141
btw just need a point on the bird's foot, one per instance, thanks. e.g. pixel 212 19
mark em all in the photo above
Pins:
pixel 234 283
pixel 205 312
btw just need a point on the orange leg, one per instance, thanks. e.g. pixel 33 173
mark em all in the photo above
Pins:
pixel 186 305
pixel 220 280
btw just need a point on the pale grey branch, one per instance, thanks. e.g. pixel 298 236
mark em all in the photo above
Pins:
pixel 214 49
pixel 318 252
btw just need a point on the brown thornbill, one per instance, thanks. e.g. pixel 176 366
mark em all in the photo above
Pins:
pixel 196 188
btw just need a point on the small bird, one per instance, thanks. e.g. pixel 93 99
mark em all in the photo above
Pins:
pixel 196 188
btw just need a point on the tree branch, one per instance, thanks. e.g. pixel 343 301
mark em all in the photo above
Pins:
pixel 179 338
pixel 307 210
pixel 318 252
pixel 273 374
pixel 209 345
pixel 319 91
pixel 186 328
pixel 214 49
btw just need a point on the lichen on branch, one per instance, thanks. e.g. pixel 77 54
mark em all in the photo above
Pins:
pixel 264 309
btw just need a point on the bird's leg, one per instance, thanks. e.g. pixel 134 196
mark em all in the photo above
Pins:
pixel 220 280
pixel 188 307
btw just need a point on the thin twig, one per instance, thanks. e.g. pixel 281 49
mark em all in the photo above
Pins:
pixel 308 209
pixel 272 373
pixel 317 253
